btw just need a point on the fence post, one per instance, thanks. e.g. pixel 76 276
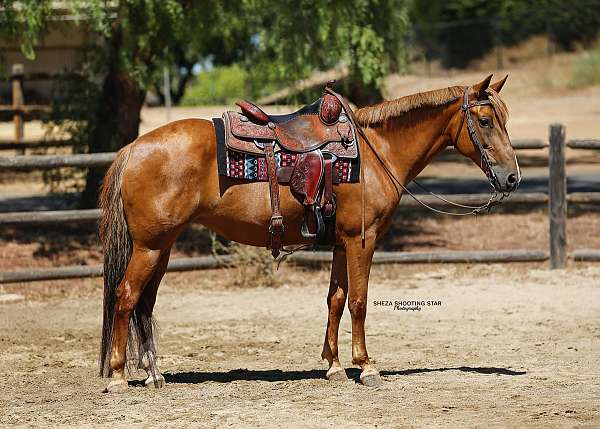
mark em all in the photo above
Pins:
pixel 17 100
pixel 557 189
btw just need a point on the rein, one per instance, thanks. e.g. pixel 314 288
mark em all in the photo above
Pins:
pixel 485 161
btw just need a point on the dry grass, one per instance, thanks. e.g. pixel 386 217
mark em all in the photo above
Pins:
pixel 252 266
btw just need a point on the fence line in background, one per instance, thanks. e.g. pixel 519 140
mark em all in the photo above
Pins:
pixel 309 259
pixel 556 199
pixel 92 215
pixel 300 258
pixel 81 159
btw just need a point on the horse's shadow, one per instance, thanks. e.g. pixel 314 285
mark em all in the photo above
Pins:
pixel 273 375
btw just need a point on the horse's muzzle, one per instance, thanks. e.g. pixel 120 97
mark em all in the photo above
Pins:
pixel 507 181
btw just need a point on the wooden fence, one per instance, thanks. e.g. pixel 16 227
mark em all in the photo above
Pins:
pixel 556 198
pixel 19 112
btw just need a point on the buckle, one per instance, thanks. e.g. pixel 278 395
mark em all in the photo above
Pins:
pixel 274 220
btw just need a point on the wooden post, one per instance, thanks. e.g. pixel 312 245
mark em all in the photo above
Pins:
pixel 17 100
pixel 557 190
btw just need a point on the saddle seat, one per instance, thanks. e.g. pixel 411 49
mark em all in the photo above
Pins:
pixel 316 136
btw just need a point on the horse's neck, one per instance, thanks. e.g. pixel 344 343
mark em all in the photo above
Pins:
pixel 410 142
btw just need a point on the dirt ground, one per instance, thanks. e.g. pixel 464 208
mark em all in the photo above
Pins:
pixel 510 345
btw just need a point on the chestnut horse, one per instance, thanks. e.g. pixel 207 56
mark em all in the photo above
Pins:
pixel 168 178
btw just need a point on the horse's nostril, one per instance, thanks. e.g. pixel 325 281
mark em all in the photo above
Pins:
pixel 511 179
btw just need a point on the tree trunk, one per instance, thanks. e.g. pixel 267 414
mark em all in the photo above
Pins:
pixel 117 124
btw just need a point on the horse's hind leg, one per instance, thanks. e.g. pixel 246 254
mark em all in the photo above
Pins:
pixel 143 312
pixel 336 299
pixel 141 268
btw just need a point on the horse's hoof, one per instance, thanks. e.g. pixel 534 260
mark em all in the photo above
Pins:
pixel 158 382
pixel 117 386
pixel 337 375
pixel 371 378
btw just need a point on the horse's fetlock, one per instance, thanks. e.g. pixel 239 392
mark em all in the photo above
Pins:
pixel 117 362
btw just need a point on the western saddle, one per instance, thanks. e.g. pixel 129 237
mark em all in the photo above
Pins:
pixel 314 138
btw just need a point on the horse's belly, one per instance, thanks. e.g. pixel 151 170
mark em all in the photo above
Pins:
pixel 242 214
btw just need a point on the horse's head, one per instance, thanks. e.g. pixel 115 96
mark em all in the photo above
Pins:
pixel 479 132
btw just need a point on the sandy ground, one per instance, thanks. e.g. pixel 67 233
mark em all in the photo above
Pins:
pixel 513 346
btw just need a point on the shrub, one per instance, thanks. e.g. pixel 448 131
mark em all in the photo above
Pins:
pixel 586 69
pixel 253 266
pixel 221 85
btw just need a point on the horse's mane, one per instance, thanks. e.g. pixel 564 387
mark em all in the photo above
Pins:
pixel 380 113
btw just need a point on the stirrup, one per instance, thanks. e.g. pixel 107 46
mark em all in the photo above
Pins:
pixel 320 225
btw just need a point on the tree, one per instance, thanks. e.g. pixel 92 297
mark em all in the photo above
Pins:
pixel 130 41
pixel 462 30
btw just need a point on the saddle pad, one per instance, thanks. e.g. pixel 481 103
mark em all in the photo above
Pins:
pixel 250 166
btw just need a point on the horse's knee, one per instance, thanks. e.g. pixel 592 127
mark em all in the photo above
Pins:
pixel 357 307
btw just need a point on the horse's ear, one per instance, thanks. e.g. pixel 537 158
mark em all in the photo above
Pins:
pixel 480 87
pixel 497 86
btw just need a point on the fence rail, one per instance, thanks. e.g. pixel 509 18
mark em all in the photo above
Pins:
pixel 34 144
pixel 104 159
pixel 309 259
pixel 584 144
pixel 57 161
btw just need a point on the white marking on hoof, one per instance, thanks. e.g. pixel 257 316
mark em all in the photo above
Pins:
pixel 370 378
pixel 160 381
pixel 118 385
pixel 336 374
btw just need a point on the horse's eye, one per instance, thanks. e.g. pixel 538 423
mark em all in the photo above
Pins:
pixel 485 122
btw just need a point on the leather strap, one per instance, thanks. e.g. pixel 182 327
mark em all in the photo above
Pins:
pixel 276 227
pixel 328 203
pixel 359 130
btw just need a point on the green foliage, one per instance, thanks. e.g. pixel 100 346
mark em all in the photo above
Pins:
pixel 298 36
pixel 461 30
pixel 586 69
pixel 221 85
pixel 24 21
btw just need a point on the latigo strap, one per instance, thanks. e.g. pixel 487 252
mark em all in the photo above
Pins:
pixel 276 227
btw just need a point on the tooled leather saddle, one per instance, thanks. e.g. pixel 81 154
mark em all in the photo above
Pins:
pixel 301 149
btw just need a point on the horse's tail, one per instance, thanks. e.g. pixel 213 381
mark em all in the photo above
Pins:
pixel 117 246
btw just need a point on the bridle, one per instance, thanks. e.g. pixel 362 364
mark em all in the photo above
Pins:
pixel 466 117
pixel 495 197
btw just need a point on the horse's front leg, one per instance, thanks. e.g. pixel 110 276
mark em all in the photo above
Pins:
pixel 358 259
pixel 336 299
